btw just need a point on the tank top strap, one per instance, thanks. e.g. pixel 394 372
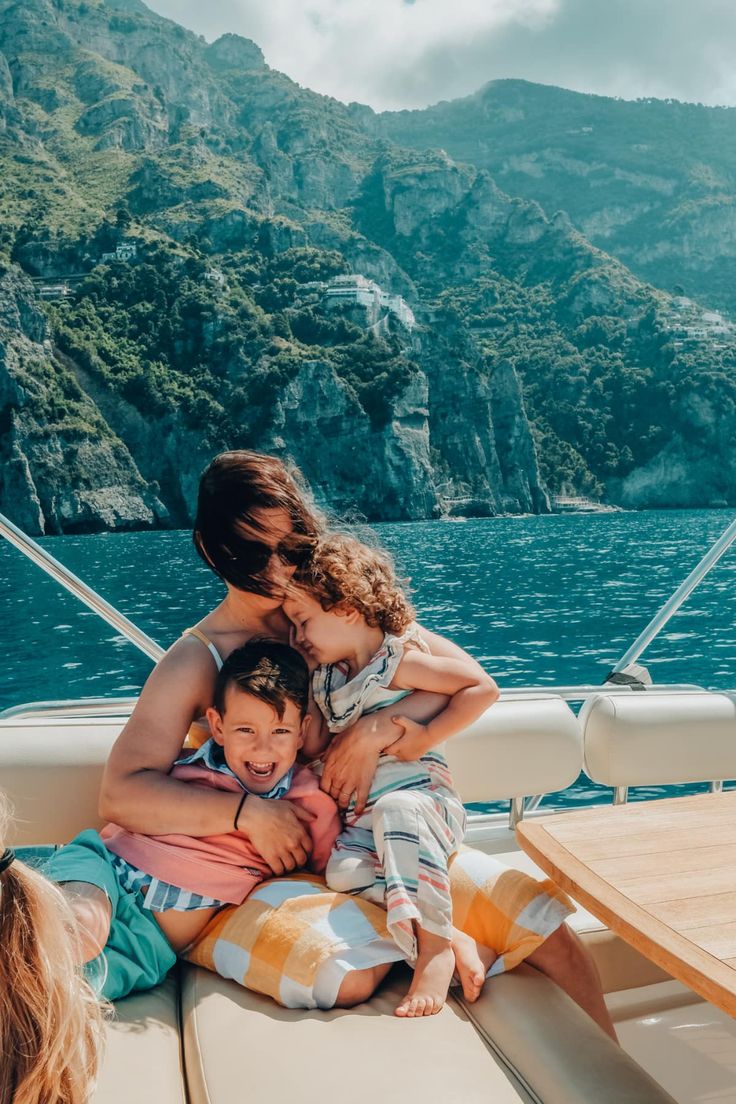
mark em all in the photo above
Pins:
pixel 207 643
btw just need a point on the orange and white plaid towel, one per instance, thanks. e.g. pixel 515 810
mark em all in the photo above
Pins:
pixel 295 940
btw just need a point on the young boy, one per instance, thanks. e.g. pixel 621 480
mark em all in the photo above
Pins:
pixel 141 899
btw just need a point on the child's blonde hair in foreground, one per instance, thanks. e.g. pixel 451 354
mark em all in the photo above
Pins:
pixel 343 571
pixel 51 1024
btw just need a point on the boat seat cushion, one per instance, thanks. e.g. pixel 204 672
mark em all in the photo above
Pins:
pixel 652 739
pixel 520 746
pixel 51 770
pixel 523 1041
pixel 142 1060
pixel 561 1055
pixel 234 1039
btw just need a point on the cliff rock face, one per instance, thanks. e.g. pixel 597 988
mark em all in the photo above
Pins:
pixel 650 181
pixel 480 434
pixel 61 468
pixel 243 193
pixel 385 474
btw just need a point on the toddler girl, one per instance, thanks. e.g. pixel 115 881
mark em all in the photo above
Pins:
pixel 356 628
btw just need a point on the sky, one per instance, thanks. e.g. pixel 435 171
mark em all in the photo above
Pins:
pixel 409 53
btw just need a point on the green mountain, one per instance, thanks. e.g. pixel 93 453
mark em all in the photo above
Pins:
pixel 200 254
pixel 653 182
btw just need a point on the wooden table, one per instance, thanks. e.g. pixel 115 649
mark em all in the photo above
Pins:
pixel 661 874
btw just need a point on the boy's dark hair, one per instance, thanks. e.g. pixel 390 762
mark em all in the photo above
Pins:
pixel 270 671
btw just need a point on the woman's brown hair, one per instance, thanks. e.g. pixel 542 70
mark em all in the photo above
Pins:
pixel 234 486
pixel 51 1024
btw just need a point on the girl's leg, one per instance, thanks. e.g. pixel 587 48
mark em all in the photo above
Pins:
pixel 351 867
pixel 564 959
pixel 433 972
pixel 408 826
pixel 93 914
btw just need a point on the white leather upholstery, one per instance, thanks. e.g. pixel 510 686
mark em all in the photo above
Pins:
pixel 523 1043
pixel 518 747
pixel 535 1027
pixel 142 1062
pixel 51 770
pixel 687 1044
pixel 642 739
pixel 236 1048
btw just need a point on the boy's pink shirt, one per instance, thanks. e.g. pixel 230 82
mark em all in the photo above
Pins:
pixel 227 866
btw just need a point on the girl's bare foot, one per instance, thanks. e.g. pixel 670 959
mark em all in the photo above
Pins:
pixel 432 976
pixel 473 961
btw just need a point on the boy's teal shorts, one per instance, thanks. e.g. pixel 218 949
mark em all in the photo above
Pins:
pixel 138 954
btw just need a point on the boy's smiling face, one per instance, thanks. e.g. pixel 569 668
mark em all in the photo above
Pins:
pixel 259 746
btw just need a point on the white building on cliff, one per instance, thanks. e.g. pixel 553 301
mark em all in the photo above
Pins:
pixel 357 290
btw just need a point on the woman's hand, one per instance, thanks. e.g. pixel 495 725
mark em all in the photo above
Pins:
pixel 352 757
pixel 351 762
pixel 278 831
pixel 413 743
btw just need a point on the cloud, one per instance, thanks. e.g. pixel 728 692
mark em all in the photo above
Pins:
pixel 396 53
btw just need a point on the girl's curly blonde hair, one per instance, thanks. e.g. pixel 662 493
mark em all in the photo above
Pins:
pixel 343 571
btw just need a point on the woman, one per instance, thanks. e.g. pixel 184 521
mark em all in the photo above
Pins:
pixel 254 525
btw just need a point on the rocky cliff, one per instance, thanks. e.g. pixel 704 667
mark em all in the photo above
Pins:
pixel 651 181
pixel 62 469
pixel 538 361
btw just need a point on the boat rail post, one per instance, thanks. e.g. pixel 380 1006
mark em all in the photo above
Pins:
pixel 716 786
pixel 620 795
pixel 79 589
pixel 671 606
pixel 516 811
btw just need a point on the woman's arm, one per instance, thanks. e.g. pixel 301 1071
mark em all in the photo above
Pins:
pixel 138 793
pixel 441 646
pixel 352 757
pixel 318 734
pixel 471 691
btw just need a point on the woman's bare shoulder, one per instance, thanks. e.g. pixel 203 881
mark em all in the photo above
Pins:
pixel 226 637
pixel 181 682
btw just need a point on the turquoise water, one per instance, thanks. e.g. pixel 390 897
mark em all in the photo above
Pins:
pixel 542 600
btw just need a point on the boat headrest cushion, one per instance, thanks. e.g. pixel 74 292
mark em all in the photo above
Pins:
pixel 644 738
pixel 51 770
pixel 520 746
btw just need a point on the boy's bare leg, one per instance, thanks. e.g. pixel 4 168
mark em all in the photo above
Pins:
pixel 473 960
pixel 182 928
pixel 93 914
pixel 359 986
pixel 433 972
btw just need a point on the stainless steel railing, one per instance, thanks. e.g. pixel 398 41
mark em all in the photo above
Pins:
pixel 123 707
pixel 671 606
pixel 70 708
pixel 80 590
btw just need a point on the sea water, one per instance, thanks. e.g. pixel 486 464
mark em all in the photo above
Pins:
pixel 537 600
